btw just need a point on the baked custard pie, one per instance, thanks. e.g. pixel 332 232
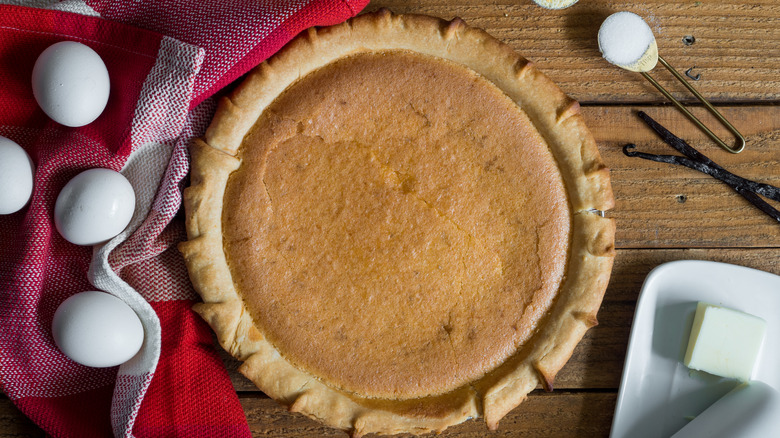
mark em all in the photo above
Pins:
pixel 392 223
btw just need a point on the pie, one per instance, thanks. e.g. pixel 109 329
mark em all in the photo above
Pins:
pixel 397 224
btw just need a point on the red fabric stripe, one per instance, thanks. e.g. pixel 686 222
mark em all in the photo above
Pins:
pixel 316 13
pixel 177 18
pixel 38 268
pixel 83 415
pixel 191 393
pixel 129 53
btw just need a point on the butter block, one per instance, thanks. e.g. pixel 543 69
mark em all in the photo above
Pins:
pixel 724 342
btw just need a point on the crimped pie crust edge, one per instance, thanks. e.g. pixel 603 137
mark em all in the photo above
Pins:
pixel 557 119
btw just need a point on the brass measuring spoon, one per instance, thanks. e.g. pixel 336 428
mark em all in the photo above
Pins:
pixel 616 26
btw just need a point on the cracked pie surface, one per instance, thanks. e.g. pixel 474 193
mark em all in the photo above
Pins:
pixel 391 223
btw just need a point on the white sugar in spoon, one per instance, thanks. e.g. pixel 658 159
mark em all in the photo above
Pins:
pixel 627 41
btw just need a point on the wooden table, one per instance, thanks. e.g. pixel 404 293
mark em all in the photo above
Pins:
pixel 663 212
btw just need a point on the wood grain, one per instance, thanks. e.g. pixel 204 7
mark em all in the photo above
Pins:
pixel 597 361
pixel 735 66
pixel 13 424
pixel 665 206
pixel 585 389
pixel 541 415
pixel 663 212
pixel 563 415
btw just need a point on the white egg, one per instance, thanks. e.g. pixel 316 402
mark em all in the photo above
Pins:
pixel 16 176
pixel 94 206
pixel 70 83
pixel 97 329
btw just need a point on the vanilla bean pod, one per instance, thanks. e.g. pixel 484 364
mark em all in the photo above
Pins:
pixel 694 159
pixel 683 147
pixel 718 172
pixel 758 203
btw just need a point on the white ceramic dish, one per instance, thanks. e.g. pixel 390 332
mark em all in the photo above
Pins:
pixel 658 394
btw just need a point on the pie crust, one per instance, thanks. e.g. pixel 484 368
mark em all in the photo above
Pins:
pixel 235 236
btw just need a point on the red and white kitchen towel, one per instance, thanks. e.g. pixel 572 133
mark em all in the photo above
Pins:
pixel 166 60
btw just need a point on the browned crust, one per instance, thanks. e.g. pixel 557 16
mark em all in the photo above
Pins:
pixel 557 119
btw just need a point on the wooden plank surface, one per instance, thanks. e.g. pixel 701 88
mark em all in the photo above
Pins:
pixel 565 414
pixel 666 206
pixel 663 212
pixel 582 403
pixel 13 424
pixel 736 51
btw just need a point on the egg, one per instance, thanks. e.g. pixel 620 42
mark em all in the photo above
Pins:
pixel 97 329
pixel 16 177
pixel 70 83
pixel 94 206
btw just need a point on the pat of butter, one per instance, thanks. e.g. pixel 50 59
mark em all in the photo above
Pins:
pixel 724 342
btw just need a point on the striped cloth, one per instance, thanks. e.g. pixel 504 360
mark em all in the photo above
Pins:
pixel 166 60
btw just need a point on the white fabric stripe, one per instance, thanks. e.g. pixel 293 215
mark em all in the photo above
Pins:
pixel 152 121
pixel 172 76
pixel 75 6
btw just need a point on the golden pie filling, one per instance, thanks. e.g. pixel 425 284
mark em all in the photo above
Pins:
pixel 396 237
